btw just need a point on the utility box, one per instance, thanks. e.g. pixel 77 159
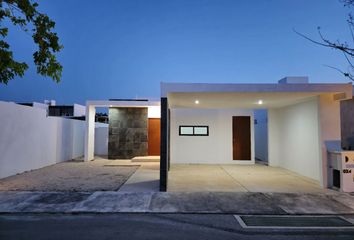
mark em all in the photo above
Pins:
pixel 341 170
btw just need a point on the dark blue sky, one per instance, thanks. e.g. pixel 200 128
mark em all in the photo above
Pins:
pixel 124 49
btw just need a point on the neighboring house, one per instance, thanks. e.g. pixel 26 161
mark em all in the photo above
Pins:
pixel 53 110
pixel 75 110
pixel 43 106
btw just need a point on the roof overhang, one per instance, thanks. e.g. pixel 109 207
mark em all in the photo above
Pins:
pixel 184 95
pixel 130 103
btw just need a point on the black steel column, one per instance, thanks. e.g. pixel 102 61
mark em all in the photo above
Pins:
pixel 164 145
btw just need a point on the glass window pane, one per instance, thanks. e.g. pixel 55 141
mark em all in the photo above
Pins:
pixel 201 130
pixel 186 130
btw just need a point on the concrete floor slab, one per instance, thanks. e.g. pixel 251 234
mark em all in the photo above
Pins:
pixel 201 177
pixel 343 198
pixel 55 202
pixel 250 203
pixel 15 201
pixel 246 203
pixel 174 202
pixel 310 203
pixel 145 179
pixel 114 202
pixel 277 183
pixel 238 178
pixel 146 159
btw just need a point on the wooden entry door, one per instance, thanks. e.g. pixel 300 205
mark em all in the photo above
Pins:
pixel 241 137
pixel 154 137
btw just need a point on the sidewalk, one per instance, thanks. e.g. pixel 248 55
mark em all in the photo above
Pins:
pixel 176 202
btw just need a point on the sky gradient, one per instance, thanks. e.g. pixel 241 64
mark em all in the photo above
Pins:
pixel 124 49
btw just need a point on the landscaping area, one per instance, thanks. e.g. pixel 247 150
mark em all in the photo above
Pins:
pixel 73 176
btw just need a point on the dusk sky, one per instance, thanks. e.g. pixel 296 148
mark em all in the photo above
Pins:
pixel 124 49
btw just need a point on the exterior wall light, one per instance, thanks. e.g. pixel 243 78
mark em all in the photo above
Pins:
pixel 196 101
pixel 260 102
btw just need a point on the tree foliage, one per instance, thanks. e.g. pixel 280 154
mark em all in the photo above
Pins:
pixel 24 14
pixel 346 48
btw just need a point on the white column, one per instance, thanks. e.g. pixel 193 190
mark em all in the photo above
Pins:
pixel 329 130
pixel 273 138
pixel 90 132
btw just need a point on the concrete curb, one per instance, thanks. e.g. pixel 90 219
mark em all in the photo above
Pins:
pixel 176 202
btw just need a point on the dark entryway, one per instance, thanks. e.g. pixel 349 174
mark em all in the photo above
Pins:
pixel 154 137
pixel 241 137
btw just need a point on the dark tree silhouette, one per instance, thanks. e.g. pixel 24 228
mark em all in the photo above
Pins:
pixel 24 13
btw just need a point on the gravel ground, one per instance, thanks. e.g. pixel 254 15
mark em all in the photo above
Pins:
pixel 72 176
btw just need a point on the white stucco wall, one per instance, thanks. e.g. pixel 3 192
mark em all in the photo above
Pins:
pixel 30 140
pixel 79 110
pixel 213 149
pixel 40 105
pixel 293 138
pixel 101 139
pixel 154 112
pixel 261 134
pixel 329 126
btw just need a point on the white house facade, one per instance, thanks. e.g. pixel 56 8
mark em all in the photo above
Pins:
pixel 214 124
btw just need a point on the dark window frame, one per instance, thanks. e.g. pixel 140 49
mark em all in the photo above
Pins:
pixel 193 134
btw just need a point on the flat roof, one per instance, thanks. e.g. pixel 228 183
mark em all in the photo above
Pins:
pixel 124 103
pixel 346 88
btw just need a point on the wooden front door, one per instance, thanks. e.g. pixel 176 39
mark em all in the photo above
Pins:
pixel 241 137
pixel 154 137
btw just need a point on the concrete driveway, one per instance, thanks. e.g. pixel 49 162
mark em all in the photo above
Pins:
pixel 238 178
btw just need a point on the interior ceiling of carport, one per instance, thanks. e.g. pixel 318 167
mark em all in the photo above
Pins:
pixel 237 100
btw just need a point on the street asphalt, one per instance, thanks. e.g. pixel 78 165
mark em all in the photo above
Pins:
pixel 147 226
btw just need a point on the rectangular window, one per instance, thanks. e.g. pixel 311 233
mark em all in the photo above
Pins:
pixel 186 130
pixel 194 130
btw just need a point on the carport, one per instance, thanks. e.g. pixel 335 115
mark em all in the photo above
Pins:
pixel 203 129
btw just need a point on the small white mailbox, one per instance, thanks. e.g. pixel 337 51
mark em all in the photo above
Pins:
pixel 347 171
pixel 341 170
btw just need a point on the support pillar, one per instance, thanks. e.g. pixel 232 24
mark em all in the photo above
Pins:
pixel 164 146
pixel 90 133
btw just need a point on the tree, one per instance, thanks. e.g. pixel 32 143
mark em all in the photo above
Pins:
pixel 344 47
pixel 24 13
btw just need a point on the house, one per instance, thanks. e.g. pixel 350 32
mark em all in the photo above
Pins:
pixel 53 110
pixel 302 117
pixel 74 110
pixel 214 124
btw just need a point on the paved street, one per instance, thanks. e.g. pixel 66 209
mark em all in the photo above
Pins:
pixel 146 226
